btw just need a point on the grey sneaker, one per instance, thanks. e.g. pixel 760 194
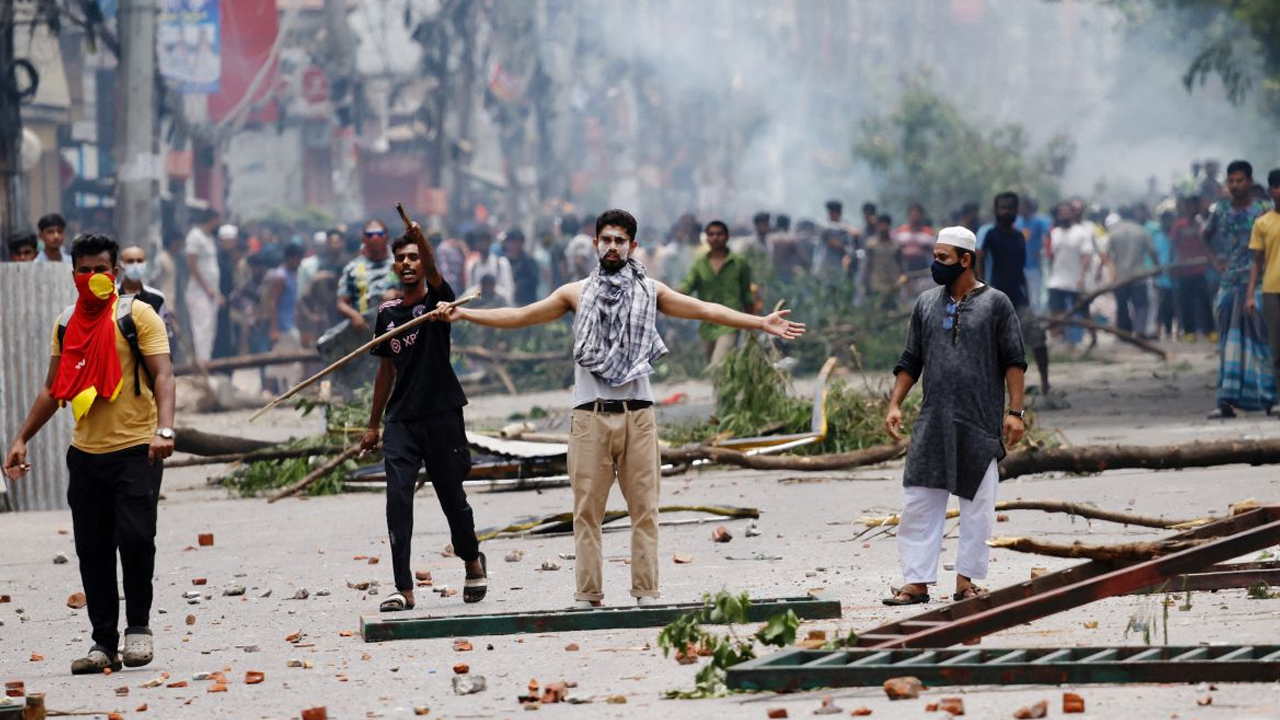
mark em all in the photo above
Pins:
pixel 138 650
pixel 642 601
pixel 95 662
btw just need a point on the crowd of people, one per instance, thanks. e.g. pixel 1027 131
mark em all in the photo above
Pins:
pixel 235 291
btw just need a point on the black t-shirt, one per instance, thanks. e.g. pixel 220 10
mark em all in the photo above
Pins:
pixel 425 382
pixel 1006 252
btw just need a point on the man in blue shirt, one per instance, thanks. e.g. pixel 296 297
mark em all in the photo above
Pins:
pixel 1003 255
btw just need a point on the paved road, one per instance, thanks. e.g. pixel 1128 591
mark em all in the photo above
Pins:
pixel 312 544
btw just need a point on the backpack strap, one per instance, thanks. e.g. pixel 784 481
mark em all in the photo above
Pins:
pixel 63 320
pixel 129 329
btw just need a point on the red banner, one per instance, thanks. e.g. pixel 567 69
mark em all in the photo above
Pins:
pixel 248 33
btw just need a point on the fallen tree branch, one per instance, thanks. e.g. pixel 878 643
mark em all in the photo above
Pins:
pixel 1128 552
pixel 1097 458
pixel 1124 335
pixel 256 456
pixel 1089 512
pixel 1085 300
pixel 316 474
pixel 835 461
pixel 196 442
pixel 564 521
pixel 246 361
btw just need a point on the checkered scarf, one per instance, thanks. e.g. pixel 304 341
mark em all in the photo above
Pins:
pixel 616 327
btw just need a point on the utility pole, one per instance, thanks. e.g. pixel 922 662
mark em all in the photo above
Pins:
pixel 139 164
pixel 11 212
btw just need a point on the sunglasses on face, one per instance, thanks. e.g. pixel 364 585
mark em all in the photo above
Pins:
pixel 375 233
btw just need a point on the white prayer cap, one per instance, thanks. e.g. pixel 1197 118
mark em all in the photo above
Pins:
pixel 320 237
pixel 228 232
pixel 959 237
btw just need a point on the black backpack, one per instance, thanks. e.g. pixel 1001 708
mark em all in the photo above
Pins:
pixel 128 328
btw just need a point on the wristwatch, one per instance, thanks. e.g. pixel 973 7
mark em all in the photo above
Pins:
pixel 1020 414
pixel 166 433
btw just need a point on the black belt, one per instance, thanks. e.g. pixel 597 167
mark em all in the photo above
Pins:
pixel 614 406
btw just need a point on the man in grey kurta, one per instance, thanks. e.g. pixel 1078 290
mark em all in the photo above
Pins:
pixel 965 343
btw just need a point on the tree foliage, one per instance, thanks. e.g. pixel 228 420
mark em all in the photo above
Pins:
pixel 929 153
pixel 1238 42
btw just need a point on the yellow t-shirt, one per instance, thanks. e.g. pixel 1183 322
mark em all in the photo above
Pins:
pixel 131 419
pixel 1266 237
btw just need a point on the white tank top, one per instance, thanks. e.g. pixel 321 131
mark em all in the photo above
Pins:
pixel 588 387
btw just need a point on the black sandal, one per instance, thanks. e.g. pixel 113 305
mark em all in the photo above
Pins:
pixel 475 588
pixel 910 599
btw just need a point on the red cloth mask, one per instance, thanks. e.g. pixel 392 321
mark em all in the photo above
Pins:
pixel 90 366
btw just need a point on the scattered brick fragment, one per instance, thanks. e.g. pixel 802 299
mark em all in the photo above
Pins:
pixel 1038 710
pixel 253 677
pixel 860 712
pixel 199 581
pixel 721 535
pixel 461 669
pixel 315 713
pixel 778 713
pixel 951 705
pixel 204 539
pixel 75 601
pixel 1072 703
pixel 903 688
pixel 571 647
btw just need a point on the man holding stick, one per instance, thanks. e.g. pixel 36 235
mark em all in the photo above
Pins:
pixel 423 400
pixel 965 341
pixel 612 432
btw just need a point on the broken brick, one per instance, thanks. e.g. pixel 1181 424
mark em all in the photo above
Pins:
pixel 179 684
pixel 462 646
pixel 461 669
pixel 253 677
pixel 817 634
pixel 1038 710
pixel 204 539
pixel 199 581
pixel 293 637
pixel 345 633
pixel 422 576
pixel 15 688
pixel 778 713
pixel 1204 700
pixel 422 711
pixel 374 560
pixel 5 599
pixel 571 647
pixel 951 705
pixel 903 688
pixel 721 535
pixel 1072 703
pixel 191 619
pixel 860 711
pixel 114 716
pixel 555 692
pixel 37 657
pixel 216 687
pixel 75 601
pixel 1001 517
pixel 141 708
pixel 315 713
pixel 931 707
pixel 122 691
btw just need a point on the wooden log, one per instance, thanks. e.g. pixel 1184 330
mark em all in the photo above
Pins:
pixel 1052 320
pixel 1097 458
pixel 256 456
pixel 1087 299
pixel 196 442
pixel 316 474
pixel 1126 552
pixel 246 361
pixel 835 461
pixel 1089 512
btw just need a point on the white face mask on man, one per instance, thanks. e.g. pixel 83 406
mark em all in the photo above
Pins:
pixel 135 271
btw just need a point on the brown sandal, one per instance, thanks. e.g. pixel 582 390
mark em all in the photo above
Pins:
pixel 969 593
pixel 904 597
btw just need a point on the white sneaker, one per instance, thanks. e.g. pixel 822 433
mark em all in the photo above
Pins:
pixel 138 649
pixel 585 605
pixel 641 601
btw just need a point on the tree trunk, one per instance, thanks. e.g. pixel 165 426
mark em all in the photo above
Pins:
pixel 1096 458
pixel 836 461
pixel 1128 552
pixel 316 474
pixel 1123 335
pixel 195 442
pixel 256 456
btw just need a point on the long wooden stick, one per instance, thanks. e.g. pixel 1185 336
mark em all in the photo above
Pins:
pixel 425 317
pixel 1132 552
pixel 316 474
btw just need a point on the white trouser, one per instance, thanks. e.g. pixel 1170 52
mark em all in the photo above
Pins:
pixel 203 314
pixel 924 514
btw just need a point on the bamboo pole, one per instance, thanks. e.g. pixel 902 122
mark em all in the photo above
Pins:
pixel 426 317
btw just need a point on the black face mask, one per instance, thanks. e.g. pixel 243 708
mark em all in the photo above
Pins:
pixel 946 274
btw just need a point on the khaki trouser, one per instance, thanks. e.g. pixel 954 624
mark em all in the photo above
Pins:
pixel 603 446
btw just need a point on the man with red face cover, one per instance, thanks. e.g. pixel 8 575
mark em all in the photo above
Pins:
pixel 123 433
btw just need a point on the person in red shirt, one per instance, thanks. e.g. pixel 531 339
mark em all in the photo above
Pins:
pixel 1195 313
